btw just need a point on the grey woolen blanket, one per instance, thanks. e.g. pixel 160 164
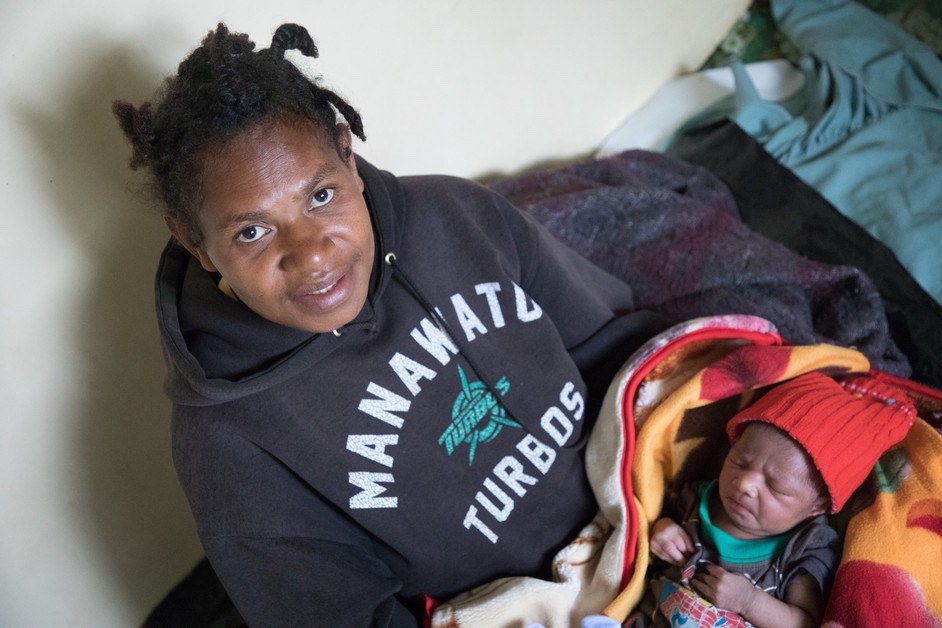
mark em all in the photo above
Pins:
pixel 672 231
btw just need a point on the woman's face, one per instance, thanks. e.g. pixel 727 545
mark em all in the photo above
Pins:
pixel 284 221
pixel 766 485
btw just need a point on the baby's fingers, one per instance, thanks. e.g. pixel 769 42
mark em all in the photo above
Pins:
pixel 672 550
pixel 675 555
pixel 670 542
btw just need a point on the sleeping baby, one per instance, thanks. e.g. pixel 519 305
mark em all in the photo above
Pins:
pixel 754 546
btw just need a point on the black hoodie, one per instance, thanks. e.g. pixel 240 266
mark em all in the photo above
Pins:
pixel 433 445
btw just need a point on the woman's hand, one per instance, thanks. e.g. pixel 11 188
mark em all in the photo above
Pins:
pixel 670 542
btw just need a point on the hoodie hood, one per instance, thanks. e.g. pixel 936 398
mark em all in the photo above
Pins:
pixel 217 350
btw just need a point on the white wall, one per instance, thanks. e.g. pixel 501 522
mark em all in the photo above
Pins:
pixel 93 528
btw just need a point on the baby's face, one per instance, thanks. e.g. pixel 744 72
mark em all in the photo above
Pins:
pixel 284 221
pixel 766 484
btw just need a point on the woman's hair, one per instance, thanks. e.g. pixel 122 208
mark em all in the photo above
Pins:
pixel 223 89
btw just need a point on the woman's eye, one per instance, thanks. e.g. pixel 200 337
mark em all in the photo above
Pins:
pixel 322 197
pixel 251 234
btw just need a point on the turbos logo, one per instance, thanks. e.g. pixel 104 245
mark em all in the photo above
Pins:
pixel 476 417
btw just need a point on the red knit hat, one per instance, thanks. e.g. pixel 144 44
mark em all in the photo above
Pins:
pixel 845 427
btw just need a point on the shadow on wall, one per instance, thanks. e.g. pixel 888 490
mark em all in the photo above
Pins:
pixel 130 508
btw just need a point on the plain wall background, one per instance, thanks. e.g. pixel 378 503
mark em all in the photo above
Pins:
pixel 93 527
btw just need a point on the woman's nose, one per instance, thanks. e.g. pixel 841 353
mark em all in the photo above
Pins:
pixel 305 248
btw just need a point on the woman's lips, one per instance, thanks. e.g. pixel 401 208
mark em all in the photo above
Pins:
pixel 324 290
pixel 325 296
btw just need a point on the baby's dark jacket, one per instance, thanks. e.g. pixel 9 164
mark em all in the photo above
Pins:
pixel 334 477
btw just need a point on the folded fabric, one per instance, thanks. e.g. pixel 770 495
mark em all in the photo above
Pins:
pixel 672 231
pixel 889 572
pixel 773 201
pixel 866 128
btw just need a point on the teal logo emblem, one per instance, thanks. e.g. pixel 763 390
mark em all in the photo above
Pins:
pixel 477 416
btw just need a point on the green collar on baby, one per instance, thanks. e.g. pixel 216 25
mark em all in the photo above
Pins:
pixel 731 549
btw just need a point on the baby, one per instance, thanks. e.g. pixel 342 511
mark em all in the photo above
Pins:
pixel 756 541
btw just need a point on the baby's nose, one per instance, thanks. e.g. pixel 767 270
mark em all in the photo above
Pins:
pixel 748 482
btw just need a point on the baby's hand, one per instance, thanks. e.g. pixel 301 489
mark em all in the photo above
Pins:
pixel 730 591
pixel 670 542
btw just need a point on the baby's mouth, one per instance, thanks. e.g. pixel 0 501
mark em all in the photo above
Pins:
pixel 738 507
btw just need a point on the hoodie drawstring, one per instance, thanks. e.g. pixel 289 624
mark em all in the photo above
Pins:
pixel 398 273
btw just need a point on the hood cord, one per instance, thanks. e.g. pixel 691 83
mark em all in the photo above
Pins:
pixel 391 261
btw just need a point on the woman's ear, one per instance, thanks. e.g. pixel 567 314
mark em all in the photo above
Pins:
pixel 346 151
pixel 182 236
pixel 345 143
